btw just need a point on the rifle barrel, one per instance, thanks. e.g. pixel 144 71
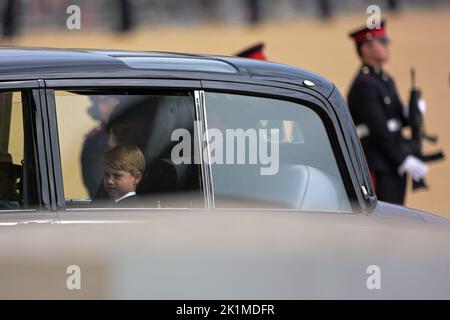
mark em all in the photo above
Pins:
pixel 413 77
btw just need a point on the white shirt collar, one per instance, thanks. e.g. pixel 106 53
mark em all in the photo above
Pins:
pixel 129 194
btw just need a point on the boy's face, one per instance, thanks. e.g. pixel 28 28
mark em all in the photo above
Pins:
pixel 118 183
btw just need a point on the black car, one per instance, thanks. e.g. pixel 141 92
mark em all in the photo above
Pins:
pixel 268 145
pixel 54 96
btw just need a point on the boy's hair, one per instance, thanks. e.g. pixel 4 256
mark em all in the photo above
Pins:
pixel 126 158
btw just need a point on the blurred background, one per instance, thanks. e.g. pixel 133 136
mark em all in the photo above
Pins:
pixel 311 34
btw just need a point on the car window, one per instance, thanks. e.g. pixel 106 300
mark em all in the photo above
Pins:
pixel 271 153
pixel 105 137
pixel 17 178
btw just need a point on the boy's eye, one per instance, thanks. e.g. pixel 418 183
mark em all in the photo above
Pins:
pixel 117 175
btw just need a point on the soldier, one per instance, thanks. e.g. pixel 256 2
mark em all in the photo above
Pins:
pixel 11 18
pixel 379 117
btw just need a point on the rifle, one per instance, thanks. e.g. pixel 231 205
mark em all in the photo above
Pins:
pixel 418 133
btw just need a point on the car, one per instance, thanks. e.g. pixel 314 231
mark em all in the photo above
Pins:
pixel 255 164
pixel 181 106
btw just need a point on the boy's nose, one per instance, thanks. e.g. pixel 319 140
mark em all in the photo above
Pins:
pixel 109 180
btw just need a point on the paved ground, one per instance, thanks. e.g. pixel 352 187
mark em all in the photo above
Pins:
pixel 420 39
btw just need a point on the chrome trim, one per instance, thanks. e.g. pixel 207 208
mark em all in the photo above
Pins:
pixel 200 114
pixel 206 143
pixel 55 153
pixel 115 210
pixel 19 84
pixel 308 83
pixel 63 84
pixel 365 193
pixel 153 211
pixel 3 211
pixel 178 64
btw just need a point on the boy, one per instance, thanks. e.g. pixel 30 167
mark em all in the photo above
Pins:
pixel 124 168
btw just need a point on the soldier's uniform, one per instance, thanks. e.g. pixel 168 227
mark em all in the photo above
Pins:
pixel 254 52
pixel 379 117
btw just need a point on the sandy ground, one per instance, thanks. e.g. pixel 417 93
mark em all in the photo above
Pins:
pixel 420 39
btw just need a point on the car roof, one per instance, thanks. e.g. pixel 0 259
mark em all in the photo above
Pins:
pixel 18 63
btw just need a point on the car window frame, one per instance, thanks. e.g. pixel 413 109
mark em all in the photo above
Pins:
pixel 52 85
pixel 36 144
pixel 287 92
pixel 321 106
pixel 357 157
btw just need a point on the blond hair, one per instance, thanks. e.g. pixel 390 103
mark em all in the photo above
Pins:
pixel 126 158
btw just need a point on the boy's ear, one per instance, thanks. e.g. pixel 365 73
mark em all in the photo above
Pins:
pixel 138 176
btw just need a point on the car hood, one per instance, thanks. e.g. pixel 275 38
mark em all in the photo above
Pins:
pixel 228 255
pixel 391 213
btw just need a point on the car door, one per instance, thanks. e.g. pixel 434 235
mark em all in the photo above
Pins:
pixel 91 116
pixel 282 147
pixel 25 188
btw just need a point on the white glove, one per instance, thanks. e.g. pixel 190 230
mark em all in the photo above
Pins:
pixel 422 105
pixel 414 166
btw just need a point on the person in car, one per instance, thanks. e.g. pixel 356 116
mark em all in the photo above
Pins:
pixel 124 168
pixel 96 142
pixel 9 172
pixel 147 122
